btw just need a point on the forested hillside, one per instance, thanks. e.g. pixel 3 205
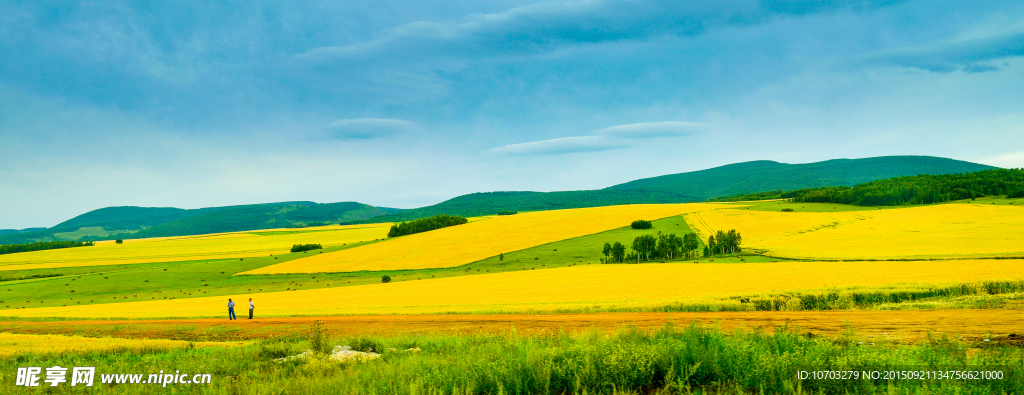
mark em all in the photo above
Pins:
pixel 698 186
pixel 137 222
pixel 899 191
pixel 264 216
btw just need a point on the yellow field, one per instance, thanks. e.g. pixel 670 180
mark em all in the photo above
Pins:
pixel 568 287
pixel 940 231
pixel 13 344
pixel 190 248
pixel 462 244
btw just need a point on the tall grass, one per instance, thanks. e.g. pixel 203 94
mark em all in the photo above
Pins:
pixel 986 294
pixel 667 361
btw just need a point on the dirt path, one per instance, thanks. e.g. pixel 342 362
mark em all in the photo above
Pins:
pixel 902 325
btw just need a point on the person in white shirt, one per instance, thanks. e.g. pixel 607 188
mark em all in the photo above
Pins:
pixel 251 307
pixel 231 310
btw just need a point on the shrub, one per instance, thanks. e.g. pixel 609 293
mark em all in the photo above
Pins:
pixel 317 336
pixel 787 210
pixel 365 344
pixel 305 247
pixel 119 241
pixel 641 224
pixel 385 279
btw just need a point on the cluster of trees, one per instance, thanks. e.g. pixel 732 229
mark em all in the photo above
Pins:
pixel 424 224
pixel 899 191
pixel 649 247
pixel 506 212
pixel 641 224
pixel 723 243
pixel 614 252
pixel 42 245
pixel 305 247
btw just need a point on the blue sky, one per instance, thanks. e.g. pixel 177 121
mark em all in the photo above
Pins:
pixel 405 104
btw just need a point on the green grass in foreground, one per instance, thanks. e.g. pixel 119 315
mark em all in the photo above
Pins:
pixel 667 361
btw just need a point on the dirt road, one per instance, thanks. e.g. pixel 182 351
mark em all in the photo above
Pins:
pixel 901 325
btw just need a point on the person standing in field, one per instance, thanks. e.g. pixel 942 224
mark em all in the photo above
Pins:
pixel 231 310
pixel 251 307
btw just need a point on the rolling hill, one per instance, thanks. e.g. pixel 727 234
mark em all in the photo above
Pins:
pixel 138 222
pixel 699 186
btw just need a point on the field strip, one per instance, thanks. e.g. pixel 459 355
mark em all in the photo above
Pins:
pixel 924 232
pixel 459 245
pixel 575 287
pixel 13 344
pixel 902 325
pixel 191 248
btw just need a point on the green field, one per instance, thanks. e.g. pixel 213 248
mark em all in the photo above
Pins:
pixel 178 280
pixel 667 361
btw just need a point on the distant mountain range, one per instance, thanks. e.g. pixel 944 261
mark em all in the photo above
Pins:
pixel 699 186
pixel 747 177
pixel 138 222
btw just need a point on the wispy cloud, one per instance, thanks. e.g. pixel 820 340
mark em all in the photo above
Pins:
pixel 368 128
pixel 565 145
pixel 556 24
pixel 971 56
pixel 652 129
pixel 610 138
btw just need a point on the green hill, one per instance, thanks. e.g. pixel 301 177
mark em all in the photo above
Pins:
pixel 264 216
pixel 137 222
pixel 909 190
pixel 759 176
pixel 129 218
pixel 16 231
pixel 699 186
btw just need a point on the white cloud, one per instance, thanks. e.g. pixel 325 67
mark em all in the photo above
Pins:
pixel 605 139
pixel 563 145
pixel 368 128
pixel 1011 160
pixel 970 56
pixel 652 129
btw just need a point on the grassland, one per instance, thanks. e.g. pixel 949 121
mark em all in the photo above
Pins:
pixel 459 245
pixel 925 232
pixel 110 284
pixel 574 287
pixel 193 248
pixel 14 344
pixel 630 361
pixel 942 313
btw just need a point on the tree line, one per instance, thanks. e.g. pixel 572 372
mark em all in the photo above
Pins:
pixel 425 224
pixel 909 190
pixel 648 248
pixel 42 245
